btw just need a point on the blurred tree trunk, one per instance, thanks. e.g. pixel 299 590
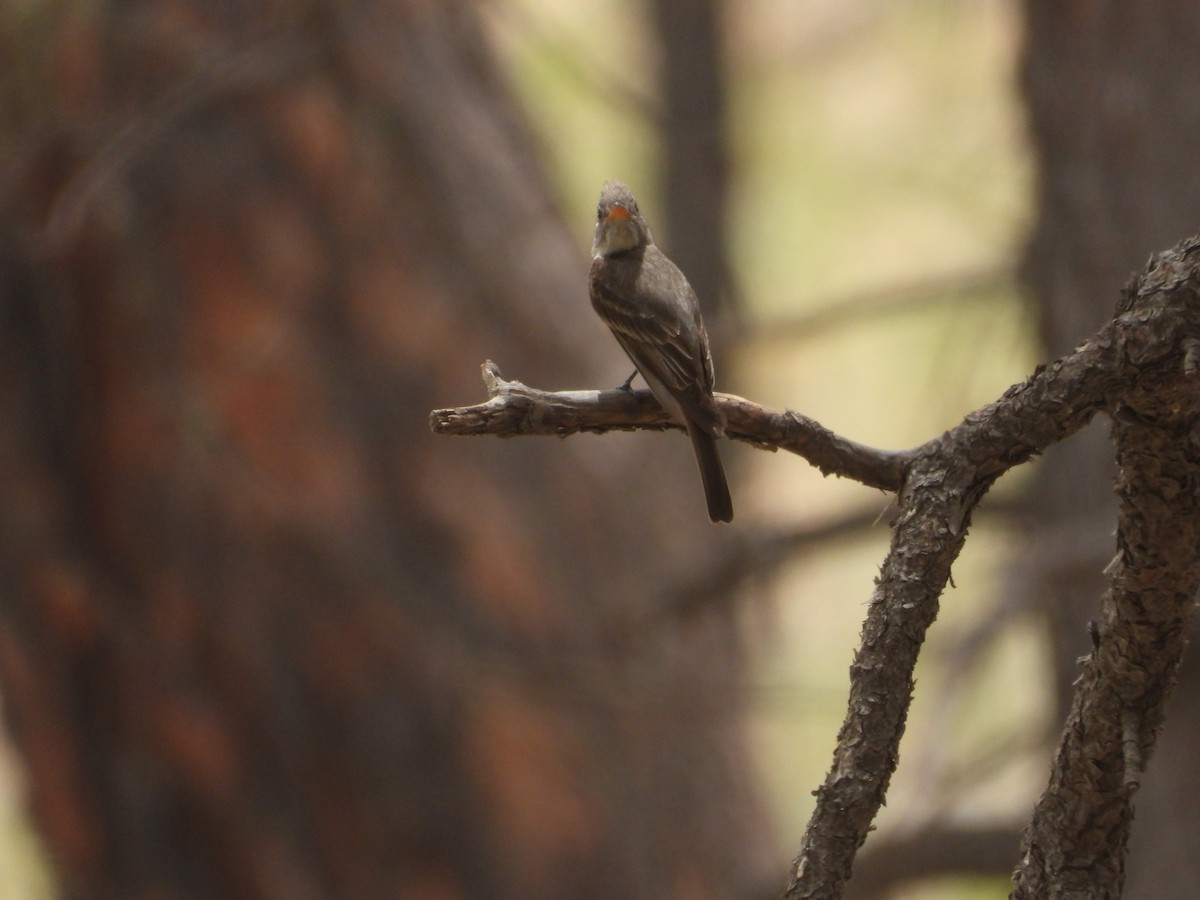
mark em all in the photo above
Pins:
pixel 1113 114
pixel 261 634
pixel 695 148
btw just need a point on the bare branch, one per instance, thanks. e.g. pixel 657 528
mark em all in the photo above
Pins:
pixel 937 849
pixel 1136 367
pixel 516 409
pixel 1076 842
pixel 851 310
pixel 1141 368
pixel 759 556
pixel 946 480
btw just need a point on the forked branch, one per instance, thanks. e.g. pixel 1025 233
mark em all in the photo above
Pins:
pixel 1143 369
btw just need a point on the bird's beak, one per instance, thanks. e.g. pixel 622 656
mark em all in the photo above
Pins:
pixel 616 213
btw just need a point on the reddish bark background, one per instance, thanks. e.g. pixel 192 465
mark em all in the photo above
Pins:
pixel 261 633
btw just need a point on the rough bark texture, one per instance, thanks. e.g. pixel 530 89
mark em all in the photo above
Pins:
pixel 1076 843
pixel 517 409
pixel 261 634
pixel 1142 369
pixel 1110 101
pixel 945 480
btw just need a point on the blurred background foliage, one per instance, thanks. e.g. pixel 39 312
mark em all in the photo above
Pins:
pixel 880 193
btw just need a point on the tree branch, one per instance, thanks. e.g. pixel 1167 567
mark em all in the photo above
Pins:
pixel 1142 369
pixel 517 409
pixel 944 483
pixel 938 849
pixel 1075 845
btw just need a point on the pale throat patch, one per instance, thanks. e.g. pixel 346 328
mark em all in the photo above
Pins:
pixel 614 236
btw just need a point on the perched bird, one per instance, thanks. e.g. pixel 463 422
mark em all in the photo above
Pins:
pixel 654 314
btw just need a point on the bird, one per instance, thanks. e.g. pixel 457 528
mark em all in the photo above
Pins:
pixel 654 314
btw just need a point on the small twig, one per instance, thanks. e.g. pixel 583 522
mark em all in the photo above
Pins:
pixel 904 299
pixel 761 555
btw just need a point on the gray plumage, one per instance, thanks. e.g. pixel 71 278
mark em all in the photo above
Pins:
pixel 655 316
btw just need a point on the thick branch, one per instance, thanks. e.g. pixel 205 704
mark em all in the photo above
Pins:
pixel 946 480
pixel 1142 369
pixel 1076 842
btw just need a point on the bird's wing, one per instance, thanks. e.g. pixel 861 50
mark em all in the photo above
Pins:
pixel 656 320
pixel 655 342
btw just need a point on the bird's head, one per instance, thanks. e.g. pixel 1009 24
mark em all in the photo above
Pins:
pixel 619 225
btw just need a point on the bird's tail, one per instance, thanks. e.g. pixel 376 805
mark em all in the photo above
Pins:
pixel 712 473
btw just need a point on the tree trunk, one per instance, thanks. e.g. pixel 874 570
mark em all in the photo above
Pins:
pixel 694 148
pixel 1112 109
pixel 261 634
